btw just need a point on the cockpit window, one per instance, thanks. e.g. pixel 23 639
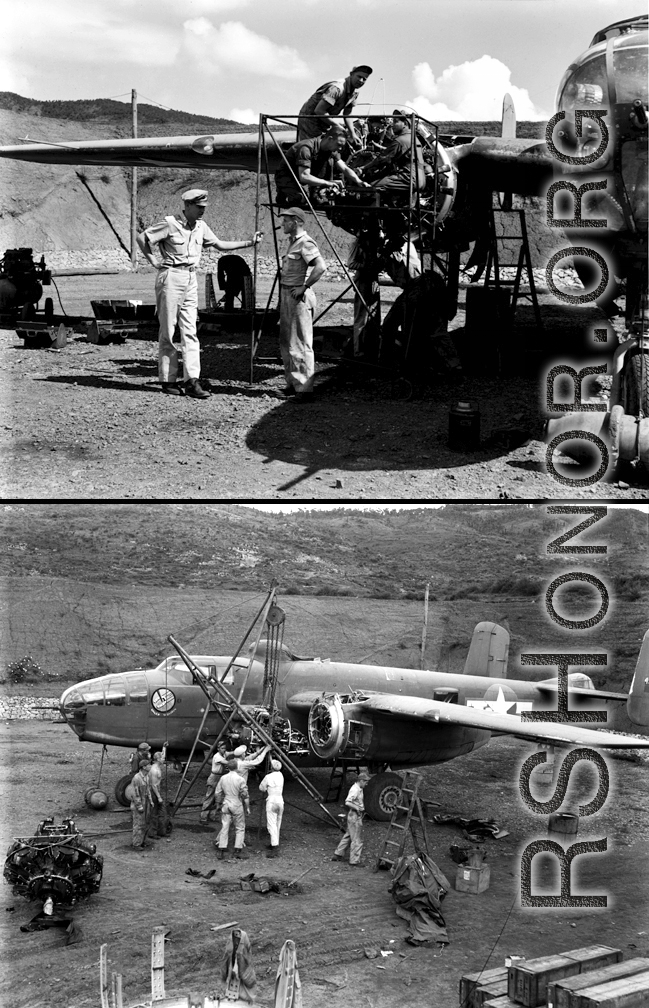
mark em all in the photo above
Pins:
pixel 630 66
pixel 584 86
pixel 95 693
pixel 137 689
pixel 115 693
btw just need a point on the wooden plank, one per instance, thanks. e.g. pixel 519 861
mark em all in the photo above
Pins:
pixel 559 991
pixel 626 992
pixel 103 975
pixel 594 955
pixel 158 964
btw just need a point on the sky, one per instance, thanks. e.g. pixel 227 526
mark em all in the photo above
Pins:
pixel 448 59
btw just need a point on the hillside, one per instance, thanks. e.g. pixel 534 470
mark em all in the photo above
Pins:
pixel 50 209
pixel 94 588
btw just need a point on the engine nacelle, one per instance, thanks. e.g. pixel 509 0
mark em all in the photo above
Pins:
pixel 335 727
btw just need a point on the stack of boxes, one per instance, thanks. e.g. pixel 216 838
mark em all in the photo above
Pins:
pixel 592 977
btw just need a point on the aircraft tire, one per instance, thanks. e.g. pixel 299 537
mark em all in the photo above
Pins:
pixel 381 794
pixel 120 791
pixel 635 376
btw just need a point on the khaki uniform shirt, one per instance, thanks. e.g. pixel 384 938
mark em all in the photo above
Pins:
pixel 297 259
pixel 179 245
pixel 233 787
pixel 355 798
pixel 339 95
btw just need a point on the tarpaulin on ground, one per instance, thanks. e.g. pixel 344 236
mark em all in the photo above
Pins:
pixel 418 888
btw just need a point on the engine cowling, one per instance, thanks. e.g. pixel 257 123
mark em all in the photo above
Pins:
pixel 335 727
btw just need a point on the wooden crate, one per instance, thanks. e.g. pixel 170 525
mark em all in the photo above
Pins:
pixel 485 993
pixel 470 981
pixel 593 956
pixel 560 992
pixel 472 880
pixel 625 992
pixel 528 981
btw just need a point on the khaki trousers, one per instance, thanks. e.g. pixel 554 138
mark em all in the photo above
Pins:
pixel 232 812
pixel 296 339
pixel 352 838
pixel 176 295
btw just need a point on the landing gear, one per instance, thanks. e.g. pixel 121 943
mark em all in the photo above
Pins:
pixel 124 791
pixel 381 794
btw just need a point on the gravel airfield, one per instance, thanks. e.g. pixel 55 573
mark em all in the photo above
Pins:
pixel 336 912
pixel 88 422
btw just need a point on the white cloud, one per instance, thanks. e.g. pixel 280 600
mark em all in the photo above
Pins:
pixel 232 46
pixel 243 115
pixel 472 90
pixel 87 32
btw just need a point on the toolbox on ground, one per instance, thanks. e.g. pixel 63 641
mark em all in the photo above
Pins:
pixel 625 992
pixel 123 311
pixel 473 880
pixel 561 993
pixel 470 981
pixel 40 334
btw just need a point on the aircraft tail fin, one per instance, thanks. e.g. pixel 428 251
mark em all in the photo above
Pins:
pixel 488 652
pixel 508 124
pixel 637 706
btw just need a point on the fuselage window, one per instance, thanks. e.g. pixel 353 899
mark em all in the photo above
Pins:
pixel 137 689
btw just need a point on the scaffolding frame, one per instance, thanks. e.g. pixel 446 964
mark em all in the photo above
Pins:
pixel 413 209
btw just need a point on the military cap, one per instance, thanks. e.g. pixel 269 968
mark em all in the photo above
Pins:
pixel 240 750
pixel 144 746
pixel 294 212
pixel 276 764
pixel 198 196
pixel 364 774
pixel 362 67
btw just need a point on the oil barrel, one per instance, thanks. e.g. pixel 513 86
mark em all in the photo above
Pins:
pixel 464 426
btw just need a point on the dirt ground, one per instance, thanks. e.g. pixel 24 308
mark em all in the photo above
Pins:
pixel 337 911
pixel 89 422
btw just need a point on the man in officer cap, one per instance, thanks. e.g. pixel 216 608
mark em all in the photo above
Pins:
pixel 335 98
pixel 302 266
pixel 179 244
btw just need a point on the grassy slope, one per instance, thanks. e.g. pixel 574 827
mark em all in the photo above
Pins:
pixel 97 588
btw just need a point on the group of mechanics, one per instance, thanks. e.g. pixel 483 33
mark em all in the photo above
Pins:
pixel 227 794
pixel 173 246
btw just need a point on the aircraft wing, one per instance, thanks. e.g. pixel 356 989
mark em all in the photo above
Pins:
pixel 503 164
pixel 225 151
pixel 407 708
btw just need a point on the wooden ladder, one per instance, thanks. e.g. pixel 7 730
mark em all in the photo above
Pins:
pixel 337 781
pixel 415 824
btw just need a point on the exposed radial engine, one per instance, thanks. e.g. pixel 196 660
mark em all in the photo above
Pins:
pixel 55 864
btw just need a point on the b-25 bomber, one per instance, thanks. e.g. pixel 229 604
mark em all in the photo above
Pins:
pixel 326 712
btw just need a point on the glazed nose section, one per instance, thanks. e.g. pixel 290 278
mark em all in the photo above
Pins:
pixel 74 708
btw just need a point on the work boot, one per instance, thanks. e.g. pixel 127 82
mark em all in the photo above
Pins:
pixel 206 385
pixel 172 388
pixel 273 852
pixel 222 853
pixel 337 857
pixel 241 854
pixel 193 389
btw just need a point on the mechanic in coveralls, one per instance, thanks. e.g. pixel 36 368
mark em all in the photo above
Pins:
pixel 273 785
pixel 219 760
pixel 231 795
pixel 353 836
pixel 159 817
pixel 247 763
pixel 140 806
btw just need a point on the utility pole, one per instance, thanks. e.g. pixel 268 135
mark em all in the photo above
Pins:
pixel 134 186
pixel 423 631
